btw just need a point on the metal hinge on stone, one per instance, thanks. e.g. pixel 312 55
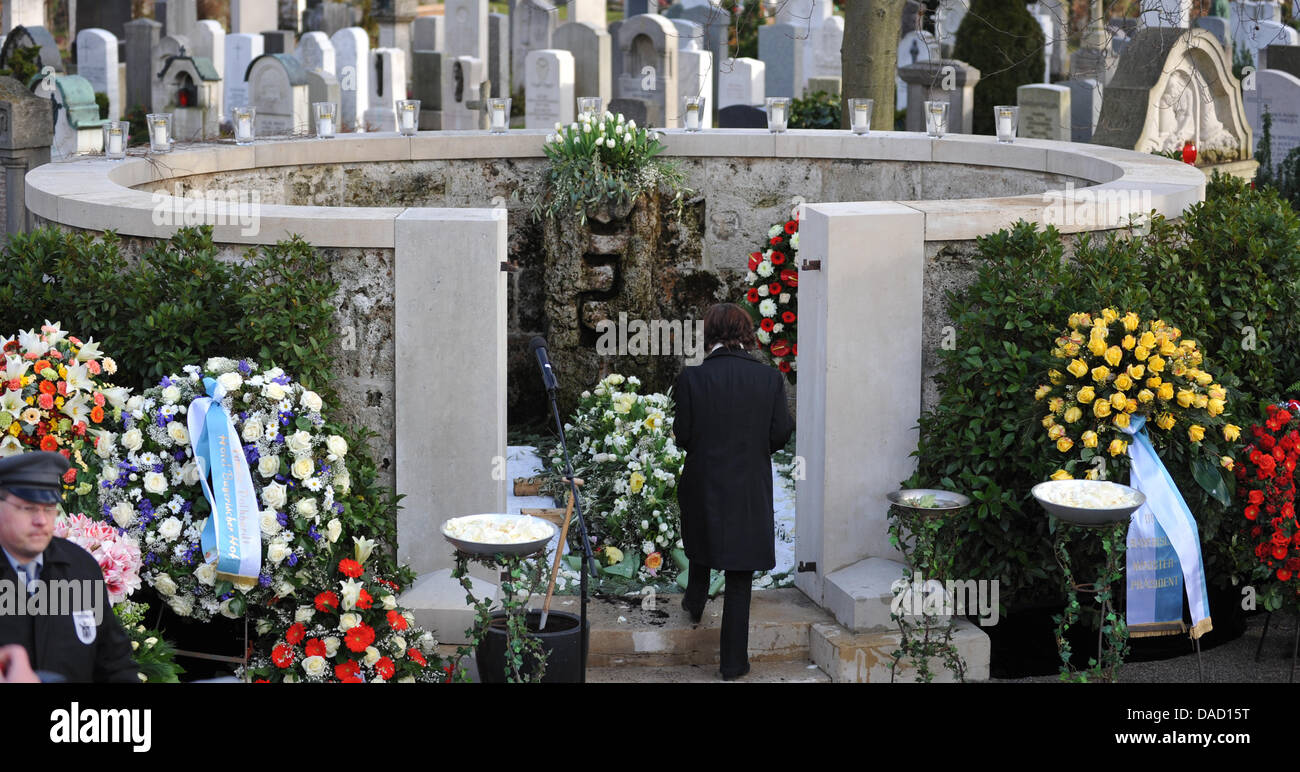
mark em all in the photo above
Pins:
pixel 509 267
pixel 811 265
pixel 807 567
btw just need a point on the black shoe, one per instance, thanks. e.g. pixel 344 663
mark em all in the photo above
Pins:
pixel 696 616
pixel 726 677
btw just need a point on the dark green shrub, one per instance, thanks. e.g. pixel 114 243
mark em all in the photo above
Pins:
pixel 744 41
pixel 815 111
pixel 101 101
pixel 24 65
pixel 1004 42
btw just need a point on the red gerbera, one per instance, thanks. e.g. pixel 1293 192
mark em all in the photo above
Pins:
pixel 777 258
pixel 327 601
pixel 788 317
pixel 1256 497
pixel 359 637
pixel 49 443
pixel 792 226
pixel 1252 512
pixel 349 672
pixel 390 585
pixel 784 366
pixel 385 668
pixel 1283 575
pixel 1279 552
pixel 766 324
pixel 350 568
pixel 396 620
pixel 364 601
pixel 774 240
pixel 417 657
pixel 282 656
pixel 774 288
pixel 295 633
pixel 314 647
pixel 752 295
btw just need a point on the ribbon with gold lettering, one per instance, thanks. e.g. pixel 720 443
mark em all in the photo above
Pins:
pixel 1164 549
pixel 232 536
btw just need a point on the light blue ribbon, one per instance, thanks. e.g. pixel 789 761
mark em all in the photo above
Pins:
pixel 232 535
pixel 1163 558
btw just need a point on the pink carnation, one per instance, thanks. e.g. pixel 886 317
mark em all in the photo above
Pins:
pixel 117 554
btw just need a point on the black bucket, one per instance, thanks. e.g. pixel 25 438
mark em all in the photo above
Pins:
pixel 564 664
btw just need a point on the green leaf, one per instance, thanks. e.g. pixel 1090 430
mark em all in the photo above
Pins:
pixel 1207 475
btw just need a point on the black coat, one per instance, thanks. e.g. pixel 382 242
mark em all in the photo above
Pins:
pixel 731 417
pixel 51 641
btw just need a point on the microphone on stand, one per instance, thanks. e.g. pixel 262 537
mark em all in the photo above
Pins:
pixel 538 347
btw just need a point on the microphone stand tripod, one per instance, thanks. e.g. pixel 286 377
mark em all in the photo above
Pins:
pixel 588 561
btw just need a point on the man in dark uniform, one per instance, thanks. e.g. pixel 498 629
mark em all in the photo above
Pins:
pixel 80 644
pixel 731 417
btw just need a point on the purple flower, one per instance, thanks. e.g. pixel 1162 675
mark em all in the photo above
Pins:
pixel 159 468
pixel 264 580
pixel 250 452
pixel 283 380
pixel 179 456
pixel 312 533
pixel 245 367
pixel 293 558
pixel 161 421
pixel 282 518
pixel 165 382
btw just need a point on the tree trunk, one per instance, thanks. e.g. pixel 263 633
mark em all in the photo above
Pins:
pixel 869 57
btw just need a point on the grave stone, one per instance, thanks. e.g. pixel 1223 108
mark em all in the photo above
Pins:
pixel 330 18
pixel 110 15
pixel 253 17
pixel 532 23
pixel 190 89
pixel 352 63
pixel 828 86
pixel 1284 58
pixel 278 41
pixel 291 13
pixel 804 14
pixel 316 52
pixel 322 87
pixel 1172 85
pixel 615 58
pixel 78 129
pixel 1085 108
pixel 1219 27
pixel 426 73
pixel 467 28
pixel 277 87
pixel 26 134
pixel 1278 93
pixel 32 37
pixel 638 8
pixel 689 35
pixel 427 33
pixel 648 71
pixel 241 50
pixel 925 82
pixel 142 36
pixel 209 39
pixel 741 82
pixel 590 46
pixel 498 59
pixel 1057 12
pixel 1263 34
pixel 1044 112
pixel 178 17
pixel 548 88
pixel 915 47
pixel 695 71
pixel 22 13
pixel 1166 13
pixel 394 18
pixel 588 12
pixel 716 25
pixel 821 52
pixel 1045 23
pixel 97 63
pixel 946 23
pixel 387 86
pixel 742 117
pixel 913 13
pixel 462 91
pixel 645 112
pixel 780 46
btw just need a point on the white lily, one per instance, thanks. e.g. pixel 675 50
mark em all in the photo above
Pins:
pixel 51 329
pixel 117 396
pixel 12 403
pixel 363 548
pixel 89 350
pixel 10 446
pixel 15 367
pixel 351 593
pixel 79 378
pixel 78 409
pixel 33 342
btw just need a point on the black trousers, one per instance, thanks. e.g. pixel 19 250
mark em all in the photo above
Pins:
pixel 733 654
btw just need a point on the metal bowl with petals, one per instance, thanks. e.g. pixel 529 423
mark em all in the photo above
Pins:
pixel 500 524
pixel 1049 494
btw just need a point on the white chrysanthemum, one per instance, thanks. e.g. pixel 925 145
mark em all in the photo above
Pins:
pixel 767 308
pixel 764 269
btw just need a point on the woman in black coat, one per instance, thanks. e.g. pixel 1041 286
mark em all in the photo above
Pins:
pixel 731 416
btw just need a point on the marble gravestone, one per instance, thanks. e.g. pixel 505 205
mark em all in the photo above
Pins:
pixel 590 46
pixel 781 49
pixel 22 13
pixel 110 15
pixel 1044 112
pixel 253 17
pixel 395 18
pixel 695 78
pixel 638 8
pixel 32 37
pixel 330 17
pixel 1172 85
pixel 277 86
pixel 142 36
pixel 279 41
pixel 1285 58
pixel 648 71
pixel 947 21
pixel 498 59
pixel 915 47
pixel 241 50
pixel 1085 107
pixel 427 77
pixel 462 90
pixel 97 63
pixel 178 17
pixel 1277 93
pixel 322 87
pixel 467 28
pixel 387 87
pixel 427 33
pixel 532 23
pixel 291 13
pixel 822 50
pixel 209 40
pixel 548 88
pixel 316 52
pixel 925 82
pixel 352 66
pixel 587 12
pixel 741 81
pixel 715 24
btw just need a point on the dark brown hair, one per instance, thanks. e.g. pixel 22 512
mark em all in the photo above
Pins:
pixel 728 324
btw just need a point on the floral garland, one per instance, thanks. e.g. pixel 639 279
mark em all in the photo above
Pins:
pixel 53 398
pixel 1142 369
pixel 149 484
pixel 772 296
pixel 353 632
pixel 1266 484
pixel 623 449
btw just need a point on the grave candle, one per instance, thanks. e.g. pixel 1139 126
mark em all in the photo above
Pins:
pixel 326 127
pixel 408 112
pixel 245 126
pixel 692 117
pixel 777 113
pixel 1004 125
pixel 408 118
pixel 114 141
pixel 498 117
pixel 159 134
pixel 1005 117
pixel 861 115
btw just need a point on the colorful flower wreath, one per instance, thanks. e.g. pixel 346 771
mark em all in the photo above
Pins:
pixel 772 297
pixel 1266 487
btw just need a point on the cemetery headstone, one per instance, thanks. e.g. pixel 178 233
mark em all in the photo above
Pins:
pixel 78 129
pixel 648 55
pixel 1218 27
pixel 394 18
pixel 498 54
pixel 178 17
pixel 742 117
pixel 912 13
pixel 253 17
pixel 946 23
pixel 927 81
pixel 822 49
pixel 323 87
pixel 142 36
pixel 587 12
pixel 637 8
pixel 1044 112
pixel 352 66
pixel 532 23
pixel 190 89
pixel 32 37
pixel 316 52
pixel 277 85
pixel 1277 93
pixel 209 39
pixel 645 112
pixel 462 94
pixel 590 46
pixel 97 63
pixel 548 88
pixel 741 81
pixel 780 46
pixel 1284 58
pixel 915 47
pixel 110 15
pixel 241 50
pixel 291 13
pixel 330 18
pixel 279 41
pixel 426 73
pixel 616 57
pixel 26 134
pixel 387 86
pixel 22 13
pixel 828 86
pixel 716 25
pixel 427 33
pixel 689 35
pixel 467 28
pixel 1085 108
pixel 695 78
pixel 1045 23
pixel 803 13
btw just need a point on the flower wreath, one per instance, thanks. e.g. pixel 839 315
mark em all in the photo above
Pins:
pixel 1266 485
pixel 772 296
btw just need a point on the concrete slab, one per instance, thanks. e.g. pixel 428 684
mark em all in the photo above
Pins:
pixel 866 657
pixel 860 595
pixel 438 602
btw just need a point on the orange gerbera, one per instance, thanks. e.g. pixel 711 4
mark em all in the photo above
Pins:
pixel 47 387
pixel 97 414
pixel 40 365
pixel 654 561
pixel 49 443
